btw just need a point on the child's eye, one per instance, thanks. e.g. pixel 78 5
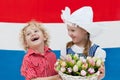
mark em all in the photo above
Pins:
pixel 28 34
pixel 72 30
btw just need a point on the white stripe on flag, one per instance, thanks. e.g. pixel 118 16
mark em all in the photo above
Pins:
pixel 9 35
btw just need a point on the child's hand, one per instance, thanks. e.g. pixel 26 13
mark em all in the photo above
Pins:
pixel 55 77
pixel 59 78
pixel 102 72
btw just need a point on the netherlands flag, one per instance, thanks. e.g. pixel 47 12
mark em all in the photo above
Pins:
pixel 15 13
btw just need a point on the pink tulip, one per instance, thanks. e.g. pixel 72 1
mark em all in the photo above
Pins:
pixel 83 73
pixel 91 70
pixel 91 62
pixel 69 70
pixel 83 59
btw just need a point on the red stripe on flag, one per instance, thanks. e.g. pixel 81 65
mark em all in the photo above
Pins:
pixel 49 11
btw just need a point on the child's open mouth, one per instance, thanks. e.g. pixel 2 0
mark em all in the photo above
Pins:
pixel 35 39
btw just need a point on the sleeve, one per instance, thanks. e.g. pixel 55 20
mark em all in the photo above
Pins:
pixel 53 61
pixel 27 70
pixel 100 53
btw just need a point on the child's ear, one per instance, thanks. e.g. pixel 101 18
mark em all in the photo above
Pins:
pixel 45 37
pixel 26 45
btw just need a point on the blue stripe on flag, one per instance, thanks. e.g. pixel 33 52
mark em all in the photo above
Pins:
pixel 10 63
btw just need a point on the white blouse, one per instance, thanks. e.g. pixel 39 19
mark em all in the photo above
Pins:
pixel 100 53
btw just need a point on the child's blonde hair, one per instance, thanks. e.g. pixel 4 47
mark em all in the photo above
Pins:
pixel 38 25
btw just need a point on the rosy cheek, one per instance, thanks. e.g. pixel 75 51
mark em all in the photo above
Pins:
pixel 70 33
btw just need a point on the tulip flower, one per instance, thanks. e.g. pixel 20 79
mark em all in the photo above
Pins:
pixel 62 69
pixel 85 66
pixel 75 57
pixel 63 64
pixel 91 70
pixel 68 57
pixel 69 70
pixel 83 72
pixel 75 68
pixel 91 62
pixel 99 63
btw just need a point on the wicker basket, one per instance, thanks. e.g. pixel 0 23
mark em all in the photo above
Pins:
pixel 70 77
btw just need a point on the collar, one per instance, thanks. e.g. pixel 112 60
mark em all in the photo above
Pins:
pixel 78 49
pixel 31 51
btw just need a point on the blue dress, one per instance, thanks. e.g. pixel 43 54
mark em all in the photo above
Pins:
pixel 92 51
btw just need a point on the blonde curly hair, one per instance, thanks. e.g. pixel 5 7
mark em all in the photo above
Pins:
pixel 39 26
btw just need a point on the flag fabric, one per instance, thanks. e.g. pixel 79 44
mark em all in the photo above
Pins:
pixel 14 14
pixel 48 11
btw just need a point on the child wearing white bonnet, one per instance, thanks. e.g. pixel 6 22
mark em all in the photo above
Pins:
pixel 81 29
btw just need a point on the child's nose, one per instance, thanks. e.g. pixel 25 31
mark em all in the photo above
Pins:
pixel 33 34
pixel 70 34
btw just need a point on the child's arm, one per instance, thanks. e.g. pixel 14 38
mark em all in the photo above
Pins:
pixel 55 77
pixel 26 70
